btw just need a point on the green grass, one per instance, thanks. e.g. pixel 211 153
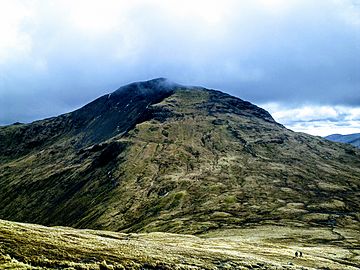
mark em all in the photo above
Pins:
pixel 28 246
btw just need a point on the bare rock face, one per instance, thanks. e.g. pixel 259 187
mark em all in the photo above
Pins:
pixel 158 156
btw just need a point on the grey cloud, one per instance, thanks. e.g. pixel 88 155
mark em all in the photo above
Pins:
pixel 307 54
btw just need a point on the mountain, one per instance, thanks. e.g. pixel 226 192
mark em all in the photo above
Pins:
pixel 158 156
pixel 353 139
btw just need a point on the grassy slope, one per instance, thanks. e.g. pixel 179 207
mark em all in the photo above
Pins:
pixel 190 175
pixel 200 161
pixel 27 246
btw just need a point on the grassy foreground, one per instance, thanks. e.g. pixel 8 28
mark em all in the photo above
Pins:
pixel 28 246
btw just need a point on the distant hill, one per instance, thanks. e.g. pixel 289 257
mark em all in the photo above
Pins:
pixel 353 139
pixel 158 156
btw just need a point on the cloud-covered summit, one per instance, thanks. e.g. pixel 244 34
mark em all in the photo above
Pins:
pixel 149 87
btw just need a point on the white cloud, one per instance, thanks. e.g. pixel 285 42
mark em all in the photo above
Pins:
pixel 95 18
pixel 317 120
pixel 325 128
pixel 14 40
pixel 349 11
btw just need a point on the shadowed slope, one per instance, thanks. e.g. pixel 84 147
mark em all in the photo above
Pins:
pixel 101 119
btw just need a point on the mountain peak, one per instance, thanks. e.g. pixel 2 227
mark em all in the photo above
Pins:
pixel 149 87
pixel 116 113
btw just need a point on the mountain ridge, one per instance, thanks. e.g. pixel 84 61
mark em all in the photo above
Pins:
pixel 353 139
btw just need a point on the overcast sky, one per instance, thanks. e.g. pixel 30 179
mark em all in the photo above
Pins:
pixel 300 59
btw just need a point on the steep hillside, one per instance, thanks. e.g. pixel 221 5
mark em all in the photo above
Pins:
pixel 156 156
pixel 353 139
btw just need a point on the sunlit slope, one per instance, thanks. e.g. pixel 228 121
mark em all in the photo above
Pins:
pixel 27 246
